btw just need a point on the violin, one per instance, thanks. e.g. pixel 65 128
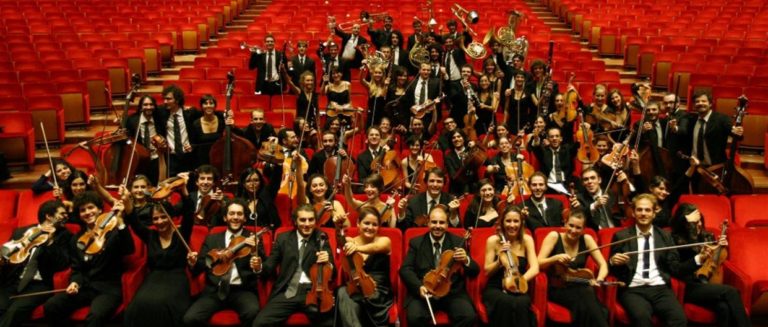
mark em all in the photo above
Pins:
pixel 707 176
pixel 564 275
pixel 438 281
pixel 711 271
pixel 569 111
pixel 335 165
pixel 385 211
pixel 271 152
pixel 92 241
pixel 513 281
pixel 475 157
pixel 417 181
pixel 18 251
pixel 352 265
pixel 292 170
pixel 321 294
pixel 420 110
pixel 520 173
pixel 347 111
pixel 388 165
pixel 208 206
pixel 167 187
pixel 220 261
pixel 587 152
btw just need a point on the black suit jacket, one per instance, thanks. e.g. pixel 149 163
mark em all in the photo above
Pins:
pixel 553 212
pixel 381 37
pixel 256 138
pixel 285 258
pixel 258 61
pixel 566 153
pixel 420 260
pixel 133 125
pixel 216 241
pixel 716 134
pixel 218 217
pixel 417 206
pixel 344 66
pixel 102 272
pixel 190 115
pixel 298 68
pixel 51 259
pixel 668 262
pixel 364 160
pixel 345 37
pixel 594 216
pixel 409 98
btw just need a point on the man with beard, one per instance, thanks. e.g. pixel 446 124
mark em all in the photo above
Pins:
pixel 374 149
pixel 289 143
pixel 236 289
pixel 293 255
pixel 178 124
pixel 334 58
pixel 146 123
pixel 542 211
pixel 330 145
pixel 424 254
pixel 421 204
pixel 382 37
pixel 706 132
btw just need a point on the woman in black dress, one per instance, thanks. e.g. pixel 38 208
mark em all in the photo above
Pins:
pixel 489 103
pixel 163 297
pixel 503 306
pixel 482 211
pixel 306 101
pixel 354 309
pixel 413 161
pixel 560 248
pixel 262 207
pixel 394 105
pixel 206 129
pixel 63 170
pixel 725 300
pixel 139 208
pixel 317 191
pixel 520 108
pixel 497 166
pixel 339 97
pixel 377 93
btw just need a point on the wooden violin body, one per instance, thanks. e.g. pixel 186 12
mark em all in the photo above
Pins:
pixel 353 266
pixel 389 167
pixel 18 251
pixel 92 241
pixel 321 294
pixel 711 271
pixel 438 280
pixel 292 169
pixel 513 281
pixel 587 152
pixel 221 260
pixel 167 187
pixel 271 152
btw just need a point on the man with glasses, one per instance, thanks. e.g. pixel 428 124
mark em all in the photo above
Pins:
pixel 449 125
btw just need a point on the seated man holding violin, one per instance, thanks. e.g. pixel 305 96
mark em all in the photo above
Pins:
pixel 646 263
pixel 556 157
pixel 208 197
pixel 230 280
pixel 33 261
pixel 427 257
pixel 418 206
pixel 601 208
pixel 96 256
pixel 258 129
pixel 300 257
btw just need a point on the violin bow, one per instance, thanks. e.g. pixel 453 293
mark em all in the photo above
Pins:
pixel 431 312
pixel 175 229
pixel 50 159
pixel 21 296
pixel 672 247
pixel 610 244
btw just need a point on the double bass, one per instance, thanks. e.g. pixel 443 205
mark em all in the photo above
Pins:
pixel 231 153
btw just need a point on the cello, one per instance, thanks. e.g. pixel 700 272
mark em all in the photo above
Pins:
pixel 387 164
pixel 334 166
pixel 231 153
pixel 734 178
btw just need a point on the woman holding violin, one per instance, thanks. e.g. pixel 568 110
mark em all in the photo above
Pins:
pixel 377 92
pixel 306 101
pixel 415 162
pixel 373 186
pixel 510 263
pixel 520 107
pixel 702 288
pixel 498 132
pixel 164 296
pixel 252 188
pixel 339 99
pixel 564 256
pixel 62 169
pixel 207 129
pixel 498 165
pixel 616 116
pixel 330 212
pixel 357 309
pixel 482 210
pixel 394 107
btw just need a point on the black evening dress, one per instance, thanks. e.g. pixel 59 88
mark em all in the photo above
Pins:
pixel 507 307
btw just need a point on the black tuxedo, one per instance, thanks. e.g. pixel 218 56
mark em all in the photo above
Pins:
pixel 418 262
pixel 282 264
pixel 553 213
pixel 258 61
pixel 50 259
pixel 402 59
pixel 595 217
pixel 298 68
pixel 565 154
pixel 256 138
pixel 463 179
pixel 716 133
pixel 346 37
pixel 417 206
pixel 218 218
pixel 409 99
pixel 179 162
pixel 133 125
pixel 216 241
pixel 668 262
pixel 364 160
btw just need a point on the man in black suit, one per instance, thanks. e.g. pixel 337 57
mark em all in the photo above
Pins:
pixel 258 130
pixel 453 32
pixel 333 58
pixel 556 157
pixel 706 132
pixel 647 275
pixel 536 86
pixel 349 43
pixel 423 255
pixel 289 144
pixel 381 37
pixel 96 280
pixel 420 205
pixel 207 177
pixel 300 63
pixel 399 55
pixel 267 64
pixel 653 127
pixel 235 289
pixel 596 204
pixel 293 255
pixel 178 124
pixel 453 61
pixel 330 146
pixel 464 178
pixel 146 123
pixel 365 158
pixel 425 88
pixel 542 211
pixel 36 273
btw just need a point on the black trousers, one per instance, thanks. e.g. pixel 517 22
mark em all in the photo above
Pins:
pixel 103 306
pixel 641 303
pixel 244 301
pixel 279 308
pixel 270 88
pixel 723 299
pixel 179 163
pixel 15 312
pixel 458 307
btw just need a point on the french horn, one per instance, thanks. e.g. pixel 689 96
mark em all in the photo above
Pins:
pixel 418 55
pixel 371 59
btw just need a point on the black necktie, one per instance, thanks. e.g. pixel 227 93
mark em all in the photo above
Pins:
pixel 700 140
pixel 448 64
pixel 177 146
pixel 224 281
pixel 556 167
pixel 301 60
pixel 437 253
pixel 146 135
pixel 647 257
pixel 269 66
pixel 432 203
pixel 543 216
pixel 29 271
pixel 422 92
pixel 293 285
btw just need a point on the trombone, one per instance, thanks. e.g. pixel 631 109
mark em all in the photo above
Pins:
pixel 365 18
pixel 465 15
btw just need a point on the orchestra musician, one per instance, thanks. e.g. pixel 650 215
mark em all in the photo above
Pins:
pixel 96 279
pixel 146 122
pixel 521 108
pixel 268 65
pixel 395 110
pixel 615 117
pixel 506 157
pixel 561 248
pixel 449 126
pixel 500 65
pixel 555 157
pixel 647 275
pixel 373 187
pixel 596 204
pixel 687 228
pixel 289 142
pixel 377 93
pixel 536 85
pixel 413 161
pixel 498 133
pixel 424 89
pixel 398 54
pixel 319 191
pixel 300 63
pixel 36 273
pixel 542 211
pixel 488 103
pixel 355 310
pixel 252 188
pixel 164 296
pixel 435 61
pixel 423 255
pixel 465 177
pixel 330 145
pixel 453 33
pixel 333 58
pixel 706 131
pixel 258 130
pixel 207 177
pixel 306 101
pixel 382 37
pixel 504 306
pixel 349 43
pixel 482 210
pixel 236 289
pixel 208 128
pixel 338 94
pixel 178 126
pixel 374 149
pixel 418 131
pixel 421 204
pixel 454 60
pixel 494 73
pixel 137 206
pixel 63 171
pixel 293 253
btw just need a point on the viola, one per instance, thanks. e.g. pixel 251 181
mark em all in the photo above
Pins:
pixel 475 157
pixel 92 241
pixel 587 152
pixel 18 251
pixel 231 153
pixel 520 173
pixel 569 111
pixel 385 209
pixel 513 281
pixel 292 170
pixel 711 271
pixel 335 166
pixel 271 152
pixel 420 110
pixel 208 206
pixel 438 281
pixel 417 181
pixel 353 266
pixel 321 294
pixel 220 261
pixel 324 215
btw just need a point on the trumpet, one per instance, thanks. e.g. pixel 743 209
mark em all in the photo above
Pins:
pixel 365 17
pixel 253 48
pixel 464 15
